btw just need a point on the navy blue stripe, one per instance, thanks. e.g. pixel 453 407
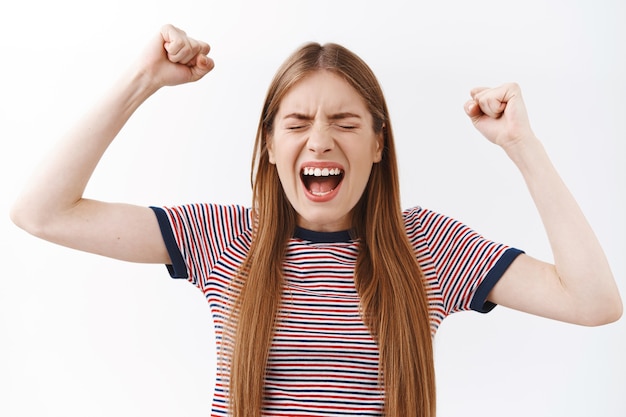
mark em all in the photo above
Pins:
pixel 177 268
pixel 322 237
pixel 479 302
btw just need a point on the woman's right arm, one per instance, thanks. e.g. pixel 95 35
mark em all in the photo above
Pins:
pixel 52 206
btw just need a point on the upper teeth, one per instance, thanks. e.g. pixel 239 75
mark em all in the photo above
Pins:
pixel 321 172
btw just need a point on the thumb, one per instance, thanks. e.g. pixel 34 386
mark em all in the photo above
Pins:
pixel 206 63
pixel 202 67
pixel 472 109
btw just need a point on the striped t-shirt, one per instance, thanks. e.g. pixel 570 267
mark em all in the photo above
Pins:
pixel 323 360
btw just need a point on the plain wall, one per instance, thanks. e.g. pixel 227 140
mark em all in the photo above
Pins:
pixel 84 335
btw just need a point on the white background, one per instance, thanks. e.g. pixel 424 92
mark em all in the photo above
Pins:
pixel 81 335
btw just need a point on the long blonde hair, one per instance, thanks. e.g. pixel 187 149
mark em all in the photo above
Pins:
pixel 387 275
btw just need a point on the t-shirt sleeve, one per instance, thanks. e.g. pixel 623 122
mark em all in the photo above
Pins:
pixel 196 236
pixel 460 266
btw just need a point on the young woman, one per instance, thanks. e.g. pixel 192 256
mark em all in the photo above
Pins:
pixel 325 294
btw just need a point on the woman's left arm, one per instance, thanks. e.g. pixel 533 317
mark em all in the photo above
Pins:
pixel 579 288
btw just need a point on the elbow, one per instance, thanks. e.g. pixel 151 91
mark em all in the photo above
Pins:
pixel 27 219
pixel 608 312
pixel 16 216
pixel 614 313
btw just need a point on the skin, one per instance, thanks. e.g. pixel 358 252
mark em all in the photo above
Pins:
pixel 323 122
pixel 578 288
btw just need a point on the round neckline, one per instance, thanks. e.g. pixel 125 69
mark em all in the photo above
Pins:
pixel 342 236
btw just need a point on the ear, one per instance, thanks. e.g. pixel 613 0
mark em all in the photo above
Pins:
pixel 380 145
pixel 269 143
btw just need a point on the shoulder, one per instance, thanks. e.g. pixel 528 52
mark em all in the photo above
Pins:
pixel 418 218
pixel 228 221
pixel 209 211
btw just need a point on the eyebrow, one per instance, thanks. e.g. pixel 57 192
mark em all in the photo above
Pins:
pixel 336 116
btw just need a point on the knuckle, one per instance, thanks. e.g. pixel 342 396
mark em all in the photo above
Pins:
pixel 513 86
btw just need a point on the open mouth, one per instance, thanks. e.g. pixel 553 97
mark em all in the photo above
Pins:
pixel 321 181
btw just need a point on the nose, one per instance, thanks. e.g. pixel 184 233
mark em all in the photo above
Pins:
pixel 320 140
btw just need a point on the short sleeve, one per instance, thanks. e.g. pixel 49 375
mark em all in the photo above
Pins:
pixel 460 266
pixel 197 236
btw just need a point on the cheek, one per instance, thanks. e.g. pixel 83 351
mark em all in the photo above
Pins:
pixel 284 153
pixel 284 164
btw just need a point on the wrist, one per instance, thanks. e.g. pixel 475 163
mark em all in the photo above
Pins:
pixel 525 150
pixel 143 80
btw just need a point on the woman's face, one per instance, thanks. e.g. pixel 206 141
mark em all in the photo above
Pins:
pixel 324 146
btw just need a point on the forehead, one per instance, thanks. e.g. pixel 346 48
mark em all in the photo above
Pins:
pixel 324 91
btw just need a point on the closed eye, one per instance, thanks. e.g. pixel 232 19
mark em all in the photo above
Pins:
pixel 346 126
pixel 296 127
